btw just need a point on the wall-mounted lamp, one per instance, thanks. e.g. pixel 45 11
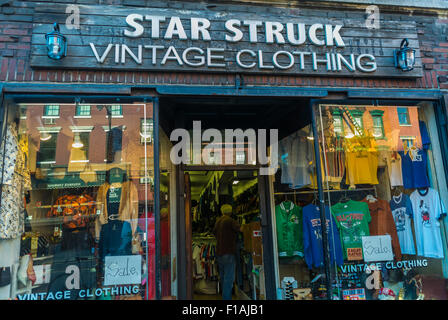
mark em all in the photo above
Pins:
pixel 56 44
pixel 405 57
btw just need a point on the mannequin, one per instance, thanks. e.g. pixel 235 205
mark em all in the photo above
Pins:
pixel 116 234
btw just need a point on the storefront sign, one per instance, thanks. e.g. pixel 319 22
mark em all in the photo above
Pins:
pixel 377 248
pixel 390 265
pixel 297 42
pixel 122 270
pixel 98 293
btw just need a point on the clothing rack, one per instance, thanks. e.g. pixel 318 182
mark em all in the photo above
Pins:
pixel 315 191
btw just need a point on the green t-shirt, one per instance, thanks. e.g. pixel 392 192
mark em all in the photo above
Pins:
pixel 352 218
pixel 288 219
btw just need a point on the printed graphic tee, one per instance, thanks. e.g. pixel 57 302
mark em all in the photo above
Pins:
pixel 289 224
pixel 428 208
pixel 414 162
pixel 402 212
pixel 312 237
pixel 352 218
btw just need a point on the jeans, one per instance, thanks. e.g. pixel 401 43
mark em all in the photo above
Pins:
pixel 226 265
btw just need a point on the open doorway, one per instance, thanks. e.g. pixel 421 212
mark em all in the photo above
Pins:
pixel 208 191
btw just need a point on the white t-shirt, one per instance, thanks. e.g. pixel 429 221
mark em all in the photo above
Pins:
pixel 395 172
pixel 428 208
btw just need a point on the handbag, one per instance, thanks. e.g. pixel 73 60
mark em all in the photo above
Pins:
pixel 5 276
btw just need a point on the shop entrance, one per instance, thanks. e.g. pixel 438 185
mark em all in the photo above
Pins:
pixel 207 191
pixel 183 184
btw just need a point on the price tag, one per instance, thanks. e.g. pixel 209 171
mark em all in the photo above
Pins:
pixel 354 253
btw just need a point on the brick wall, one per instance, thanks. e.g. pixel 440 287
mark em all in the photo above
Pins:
pixel 15 46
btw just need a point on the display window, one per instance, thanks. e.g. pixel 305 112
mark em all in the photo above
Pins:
pixel 383 192
pixel 385 189
pixel 76 212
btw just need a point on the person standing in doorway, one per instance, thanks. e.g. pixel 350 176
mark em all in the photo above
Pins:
pixel 226 232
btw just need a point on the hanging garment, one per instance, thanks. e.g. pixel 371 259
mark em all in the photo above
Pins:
pixel 312 237
pixel 12 209
pixel 382 223
pixel 402 212
pixel 352 218
pixel 361 161
pixel 428 209
pixel 11 149
pixel 115 239
pixel 394 169
pixel 415 162
pixel 22 162
pixel 128 208
pixel 288 217
pixel 295 156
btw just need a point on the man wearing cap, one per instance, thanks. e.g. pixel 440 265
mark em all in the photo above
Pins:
pixel 226 232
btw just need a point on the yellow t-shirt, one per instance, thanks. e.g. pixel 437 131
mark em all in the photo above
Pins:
pixel 361 161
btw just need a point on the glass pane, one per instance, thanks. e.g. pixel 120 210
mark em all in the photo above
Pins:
pixel 85 220
pixel 297 219
pixel 387 200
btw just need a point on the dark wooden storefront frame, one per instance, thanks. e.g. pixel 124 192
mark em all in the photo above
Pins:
pixel 31 92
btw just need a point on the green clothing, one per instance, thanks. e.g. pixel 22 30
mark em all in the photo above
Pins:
pixel 288 218
pixel 352 219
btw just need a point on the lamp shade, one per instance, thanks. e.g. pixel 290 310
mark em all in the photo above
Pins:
pixel 56 44
pixel 405 56
pixel 77 143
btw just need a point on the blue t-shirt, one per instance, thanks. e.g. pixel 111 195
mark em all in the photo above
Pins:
pixel 415 163
pixel 312 237
pixel 402 212
pixel 413 166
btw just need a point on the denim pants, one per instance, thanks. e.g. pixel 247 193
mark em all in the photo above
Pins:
pixel 226 265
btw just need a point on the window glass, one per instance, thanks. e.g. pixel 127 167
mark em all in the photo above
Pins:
pixel 403 116
pixel 75 204
pixel 116 110
pixel 83 110
pixel 51 111
pixel 387 198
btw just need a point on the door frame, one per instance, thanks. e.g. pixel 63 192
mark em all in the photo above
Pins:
pixel 266 225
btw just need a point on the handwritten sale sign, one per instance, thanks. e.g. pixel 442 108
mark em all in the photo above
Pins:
pixel 377 248
pixel 122 270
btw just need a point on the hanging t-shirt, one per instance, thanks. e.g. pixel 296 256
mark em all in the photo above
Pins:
pixel 382 222
pixel 413 166
pixel 394 169
pixel 415 161
pixel 295 156
pixel 428 208
pixel 402 212
pixel 289 223
pixel 361 167
pixel 312 237
pixel 352 218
